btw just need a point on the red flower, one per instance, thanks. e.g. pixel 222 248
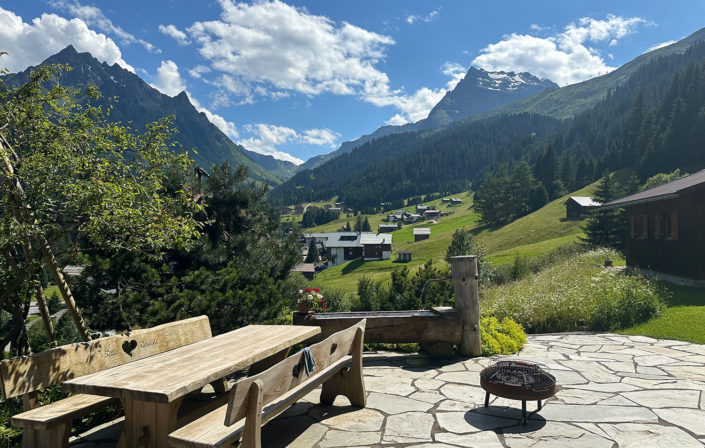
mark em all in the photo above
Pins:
pixel 308 289
pixel 324 307
pixel 316 289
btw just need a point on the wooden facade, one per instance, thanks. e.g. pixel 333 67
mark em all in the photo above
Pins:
pixel 668 236
pixel 375 251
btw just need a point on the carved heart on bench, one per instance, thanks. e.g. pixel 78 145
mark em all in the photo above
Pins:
pixel 129 346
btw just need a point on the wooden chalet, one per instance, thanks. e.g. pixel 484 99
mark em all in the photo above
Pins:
pixel 307 269
pixel 421 233
pixel 666 229
pixel 404 255
pixel 577 206
pixel 383 228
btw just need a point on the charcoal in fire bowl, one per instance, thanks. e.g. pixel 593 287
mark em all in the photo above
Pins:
pixel 517 380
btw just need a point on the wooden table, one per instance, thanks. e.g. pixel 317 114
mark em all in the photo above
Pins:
pixel 151 389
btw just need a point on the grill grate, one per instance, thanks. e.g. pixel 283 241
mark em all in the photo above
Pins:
pixel 518 374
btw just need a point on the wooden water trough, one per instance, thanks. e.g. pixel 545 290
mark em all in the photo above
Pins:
pixel 459 325
pixel 441 324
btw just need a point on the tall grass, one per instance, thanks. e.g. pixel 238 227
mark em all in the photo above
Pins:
pixel 577 294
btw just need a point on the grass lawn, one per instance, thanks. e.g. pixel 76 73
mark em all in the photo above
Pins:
pixel 49 290
pixel 684 320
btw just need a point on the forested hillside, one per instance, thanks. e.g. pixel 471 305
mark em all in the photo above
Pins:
pixel 404 165
pixel 651 123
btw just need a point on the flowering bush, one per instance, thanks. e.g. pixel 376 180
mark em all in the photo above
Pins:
pixel 312 298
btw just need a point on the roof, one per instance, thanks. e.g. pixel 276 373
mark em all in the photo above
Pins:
pixel 668 190
pixel 304 267
pixel 388 226
pixel 422 231
pixel 585 201
pixel 375 238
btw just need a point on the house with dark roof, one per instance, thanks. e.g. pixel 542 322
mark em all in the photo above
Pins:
pixel 666 229
pixel 577 206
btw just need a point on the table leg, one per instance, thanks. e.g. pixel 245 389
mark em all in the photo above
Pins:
pixel 523 410
pixel 148 424
pixel 487 399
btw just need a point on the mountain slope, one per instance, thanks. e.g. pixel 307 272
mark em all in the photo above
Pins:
pixel 138 104
pixel 479 91
pixel 571 100
pixel 652 121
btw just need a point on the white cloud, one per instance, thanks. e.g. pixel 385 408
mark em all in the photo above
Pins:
pixel 661 45
pixel 320 137
pixel 272 44
pixel 411 19
pixel 455 71
pixel 198 71
pixel 169 80
pixel 93 16
pixel 564 57
pixel 266 137
pixel 175 33
pixel 29 44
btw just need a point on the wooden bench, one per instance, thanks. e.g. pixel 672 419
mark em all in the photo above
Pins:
pixel 50 425
pixel 255 400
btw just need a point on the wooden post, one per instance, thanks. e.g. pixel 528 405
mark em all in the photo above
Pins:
pixel 467 302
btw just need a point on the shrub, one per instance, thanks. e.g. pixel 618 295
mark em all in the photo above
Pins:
pixel 503 337
pixel 577 294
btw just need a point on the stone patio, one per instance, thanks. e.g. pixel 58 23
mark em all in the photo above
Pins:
pixel 614 391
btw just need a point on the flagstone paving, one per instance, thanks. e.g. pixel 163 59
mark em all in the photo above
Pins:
pixel 614 391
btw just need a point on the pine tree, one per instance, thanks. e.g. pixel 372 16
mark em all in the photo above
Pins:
pixel 606 227
pixel 366 225
pixel 312 255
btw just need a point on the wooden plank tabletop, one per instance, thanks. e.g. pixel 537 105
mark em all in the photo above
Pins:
pixel 170 375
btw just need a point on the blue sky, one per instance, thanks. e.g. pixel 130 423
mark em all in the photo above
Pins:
pixel 295 79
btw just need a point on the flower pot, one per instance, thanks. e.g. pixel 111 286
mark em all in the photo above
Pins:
pixel 303 308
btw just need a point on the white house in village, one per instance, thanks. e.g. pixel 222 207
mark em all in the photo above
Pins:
pixel 342 247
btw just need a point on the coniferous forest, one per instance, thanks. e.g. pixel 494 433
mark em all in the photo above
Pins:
pixel 653 122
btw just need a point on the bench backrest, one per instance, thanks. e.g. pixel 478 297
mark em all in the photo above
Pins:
pixel 289 373
pixel 26 374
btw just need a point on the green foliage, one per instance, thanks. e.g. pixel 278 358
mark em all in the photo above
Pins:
pixel 64 331
pixel 366 225
pixel 54 304
pixel 502 197
pixel 606 227
pixel 405 291
pixel 576 294
pixel 312 256
pixel 464 243
pixel 317 216
pixel 501 337
pixel 237 273
pixel 523 266
pixel 661 178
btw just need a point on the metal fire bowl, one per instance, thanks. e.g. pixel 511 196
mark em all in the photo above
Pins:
pixel 541 390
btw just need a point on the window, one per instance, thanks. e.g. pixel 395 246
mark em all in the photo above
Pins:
pixel 639 227
pixel 666 225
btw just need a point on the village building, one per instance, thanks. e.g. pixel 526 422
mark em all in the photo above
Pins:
pixel 342 247
pixel 577 206
pixel 421 233
pixel 445 200
pixel 307 269
pixel 433 214
pixel 666 230
pixel 404 255
pixel 455 201
pixel 383 228
pixel 421 208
